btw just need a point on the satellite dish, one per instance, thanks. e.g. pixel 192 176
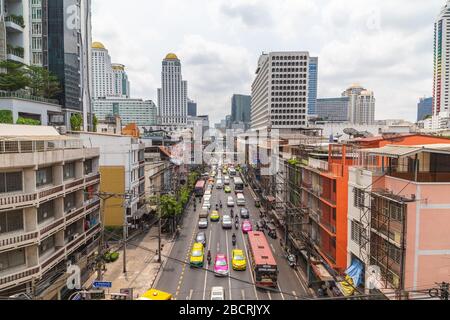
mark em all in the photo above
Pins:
pixel 351 132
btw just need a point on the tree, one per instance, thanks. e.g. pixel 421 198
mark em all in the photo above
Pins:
pixel 95 123
pixel 6 116
pixel 76 121
pixel 42 82
pixel 29 122
pixel 14 76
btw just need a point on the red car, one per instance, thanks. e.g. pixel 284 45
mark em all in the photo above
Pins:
pixel 247 226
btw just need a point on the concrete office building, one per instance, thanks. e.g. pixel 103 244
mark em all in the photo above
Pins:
pixel 138 111
pixel 172 96
pixel 313 84
pixel 280 91
pixel 49 210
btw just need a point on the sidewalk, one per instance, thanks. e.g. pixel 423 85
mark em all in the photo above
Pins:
pixel 142 265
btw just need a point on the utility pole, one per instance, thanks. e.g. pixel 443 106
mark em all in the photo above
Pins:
pixel 125 233
pixel 159 228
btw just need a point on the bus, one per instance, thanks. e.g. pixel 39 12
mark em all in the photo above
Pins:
pixel 238 185
pixel 263 265
pixel 200 188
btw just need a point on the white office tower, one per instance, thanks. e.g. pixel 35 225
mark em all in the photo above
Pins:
pixel 102 72
pixel 280 91
pixel 361 109
pixel 121 84
pixel 441 86
pixel 172 96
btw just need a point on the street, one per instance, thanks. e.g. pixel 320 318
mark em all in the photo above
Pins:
pixel 187 283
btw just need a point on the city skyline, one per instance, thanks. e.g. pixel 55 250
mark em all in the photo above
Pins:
pixel 248 28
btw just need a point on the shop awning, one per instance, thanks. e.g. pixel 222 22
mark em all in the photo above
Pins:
pixel 322 273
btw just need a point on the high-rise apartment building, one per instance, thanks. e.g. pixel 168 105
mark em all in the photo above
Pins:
pixel 121 84
pixel 172 96
pixel 313 84
pixel 441 86
pixel 280 91
pixel 102 74
pixel 361 106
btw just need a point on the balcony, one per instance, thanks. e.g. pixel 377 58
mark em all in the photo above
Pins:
pixel 92 207
pixel 76 243
pixel 95 179
pixel 15 54
pixel 18 278
pixel 15 241
pixel 74 185
pixel 56 258
pixel 90 233
pixel 75 215
pixel 50 194
pixel 17 201
pixel 14 23
pixel 52 228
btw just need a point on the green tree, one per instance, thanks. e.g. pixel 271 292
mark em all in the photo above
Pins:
pixel 6 116
pixel 29 122
pixel 13 76
pixel 76 121
pixel 95 123
pixel 42 82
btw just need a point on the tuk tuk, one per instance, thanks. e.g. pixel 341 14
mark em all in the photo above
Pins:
pixel 154 294
pixel 272 231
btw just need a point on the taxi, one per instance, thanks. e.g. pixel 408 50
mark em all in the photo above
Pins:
pixel 227 189
pixel 197 255
pixel 154 294
pixel 215 216
pixel 238 261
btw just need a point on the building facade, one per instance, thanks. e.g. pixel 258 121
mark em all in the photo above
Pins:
pixel 333 109
pixel 362 105
pixel 102 74
pixel 441 60
pixel 172 96
pixel 192 108
pixel 313 84
pixel 121 84
pixel 280 91
pixel 138 111
pixel 49 210
pixel 424 108
pixel 241 109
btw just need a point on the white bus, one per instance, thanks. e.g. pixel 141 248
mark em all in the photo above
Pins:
pixel 238 185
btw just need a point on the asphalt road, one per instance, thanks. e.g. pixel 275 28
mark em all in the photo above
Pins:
pixel 186 283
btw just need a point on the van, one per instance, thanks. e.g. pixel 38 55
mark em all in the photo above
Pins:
pixel 240 199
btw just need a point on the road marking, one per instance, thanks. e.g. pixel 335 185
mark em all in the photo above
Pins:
pixel 269 295
pixel 229 269
pixel 301 282
pixel 273 248
pixel 207 271
pixel 243 294
pixel 281 292
pixel 249 267
pixel 295 295
pixel 190 294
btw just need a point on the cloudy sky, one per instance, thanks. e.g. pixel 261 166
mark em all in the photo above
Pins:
pixel 385 45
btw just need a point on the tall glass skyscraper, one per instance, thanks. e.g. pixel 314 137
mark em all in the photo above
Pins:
pixel 313 84
pixel 424 108
pixel 241 106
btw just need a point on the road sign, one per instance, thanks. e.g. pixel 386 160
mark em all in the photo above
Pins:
pixel 98 284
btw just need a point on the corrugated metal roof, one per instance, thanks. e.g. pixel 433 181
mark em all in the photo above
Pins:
pixel 13 130
pixel 394 151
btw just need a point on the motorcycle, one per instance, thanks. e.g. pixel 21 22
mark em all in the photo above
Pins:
pixel 236 225
pixel 232 213
pixel 292 260
pixel 209 259
pixel 234 241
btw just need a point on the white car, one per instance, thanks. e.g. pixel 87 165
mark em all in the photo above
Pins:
pixel 218 293
pixel 230 202
pixel 226 181
pixel 219 184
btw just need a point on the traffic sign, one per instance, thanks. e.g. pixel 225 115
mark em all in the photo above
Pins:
pixel 98 284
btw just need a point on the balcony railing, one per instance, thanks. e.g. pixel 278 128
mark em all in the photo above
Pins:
pixel 7 147
pixel 18 277
pixel 93 178
pixel 53 260
pixel 15 19
pixel 16 51
pixel 52 228
pixel 74 184
pixel 72 246
pixel 92 231
pixel 16 241
pixel 17 200
pixel 77 214
pixel 50 193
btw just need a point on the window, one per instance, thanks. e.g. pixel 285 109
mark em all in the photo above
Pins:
pixel 88 168
pixel 69 171
pixel 46 211
pixel 396 212
pixel 69 202
pixel 12 259
pixel 47 245
pixel 10 182
pixel 359 198
pixel 11 221
pixel 395 254
pixel 357 232
pixel 44 177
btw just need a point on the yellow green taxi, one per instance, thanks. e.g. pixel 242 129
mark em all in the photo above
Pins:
pixel 154 294
pixel 197 255
pixel 227 189
pixel 238 260
pixel 215 216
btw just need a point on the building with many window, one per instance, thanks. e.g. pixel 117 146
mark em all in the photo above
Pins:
pixel 424 108
pixel 241 109
pixel 121 84
pixel 280 91
pixel 172 96
pixel 49 210
pixel 362 105
pixel 138 111
pixel 102 74
pixel 333 109
pixel 313 84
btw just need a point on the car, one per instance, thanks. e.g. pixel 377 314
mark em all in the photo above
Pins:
pixel 227 189
pixel 221 266
pixel 227 180
pixel 217 293
pixel 227 222
pixel 245 214
pixel 197 255
pixel 203 223
pixel 239 262
pixel 230 202
pixel 215 216
pixel 219 184
pixel 240 199
pixel 247 226
pixel 204 214
pixel 201 238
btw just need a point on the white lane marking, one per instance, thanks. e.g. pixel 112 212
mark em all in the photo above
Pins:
pixel 190 294
pixel 248 268
pixel 273 248
pixel 295 295
pixel 281 292
pixel 243 295
pixel 206 272
pixel 301 282
pixel 229 269
pixel 269 295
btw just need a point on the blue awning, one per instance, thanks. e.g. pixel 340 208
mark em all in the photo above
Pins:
pixel 356 272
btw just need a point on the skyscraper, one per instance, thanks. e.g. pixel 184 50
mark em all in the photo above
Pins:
pixel 313 84
pixel 424 108
pixel 102 74
pixel 441 85
pixel 241 109
pixel 67 42
pixel 121 84
pixel 361 106
pixel 333 109
pixel 280 91
pixel 192 108
pixel 172 96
